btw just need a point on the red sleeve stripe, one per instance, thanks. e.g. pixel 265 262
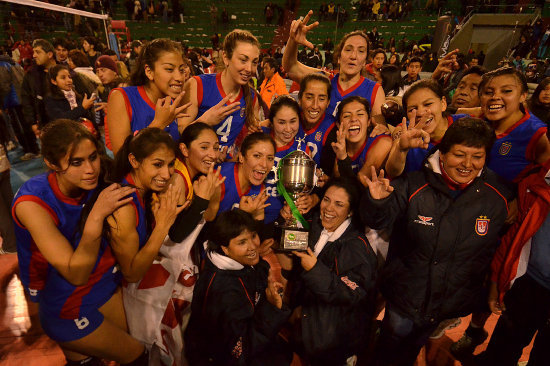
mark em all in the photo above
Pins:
pixel 36 200
pixel 327 133
pixel 373 95
pixel 199 90
pixel 246 292
pixel 418 190
pixel 126 102
pixel 531 152
pixel 500 194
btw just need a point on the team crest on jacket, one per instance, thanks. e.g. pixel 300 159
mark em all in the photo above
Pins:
pixel 482 225
pixel 318 136
pixel 424 220
pixel 505 148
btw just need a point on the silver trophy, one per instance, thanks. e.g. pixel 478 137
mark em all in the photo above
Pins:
pixel 296 173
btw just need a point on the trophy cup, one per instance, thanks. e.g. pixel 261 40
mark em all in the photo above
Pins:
pixel 296 175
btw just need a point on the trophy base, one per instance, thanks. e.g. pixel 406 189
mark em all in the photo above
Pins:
pixel 293 238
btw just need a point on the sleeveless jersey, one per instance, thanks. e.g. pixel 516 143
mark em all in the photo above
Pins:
pixel 415 157
pixel 139 207
pixel 358 160
pixel 141 110
pixel 275 199
pixel 231 188
pixel 55 294
pixel 209 93
pixel 181 169
pixel 364 88
pixel 316 137
pixel 514 149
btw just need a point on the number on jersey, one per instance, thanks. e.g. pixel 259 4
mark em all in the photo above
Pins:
pixel 224 130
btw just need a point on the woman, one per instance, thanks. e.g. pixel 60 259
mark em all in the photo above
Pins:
pixel 66 265
pixel 351 53
pixel 451 214
pixel 392 82
pixel 394 60
pixel 154 99
pixel 85 80
pixel 334 281
pixel 425 105
pixel 235 103
pixel 285 121
pixel 63 101
pixel 521 138
pixel 539 104
pixel 356 151
pixel 137 229
pixel 237 310
pixel 244 179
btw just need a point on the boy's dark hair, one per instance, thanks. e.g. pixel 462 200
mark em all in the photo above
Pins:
pixel 229 225
pixel 468 131
pixel 416 59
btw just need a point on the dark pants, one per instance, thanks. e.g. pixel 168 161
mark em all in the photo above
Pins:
pixel 6 222
pixel 527 310
pixel 401 339
pixel 23 131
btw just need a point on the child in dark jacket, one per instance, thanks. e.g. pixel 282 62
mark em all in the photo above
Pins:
pixel 63 101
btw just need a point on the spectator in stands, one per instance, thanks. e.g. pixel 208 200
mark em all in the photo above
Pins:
pixel 539 103
pixel 225 18
pixel 413 71
pixel 394 60
pixel 154 99
pixel 84 78
pixel 314 58
pixel 61 50
pixel 107 72
pixel 392 83
pixel 523 48
pixel 122 70
pixel 378 59
pixel 466 94
pixel 323 11
pixel 214 17
pixel 135 47
pixel 474 61
pixel 374 37
pixel 376 11
pixel 34 88
pixel 90 45
pixel 328 45
pixel 269 12
pixel 62 100
pixel 273 85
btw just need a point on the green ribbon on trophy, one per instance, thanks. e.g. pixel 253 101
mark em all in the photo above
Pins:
pixel 281 188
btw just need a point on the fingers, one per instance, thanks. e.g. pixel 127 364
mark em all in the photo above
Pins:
pixel 310 252
pixel 307 17
pixel 412 120
pixel 373 174
pixel 299 254
pixel 178 99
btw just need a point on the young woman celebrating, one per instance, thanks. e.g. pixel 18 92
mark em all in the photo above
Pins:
pixel 63 101
pixel 224 100
pixel 351 53
pixel 539 103
pixel 355 150
pixel 425 104
pixel 66 264
pixel 138 229
pixel 521 138
pixel 154 99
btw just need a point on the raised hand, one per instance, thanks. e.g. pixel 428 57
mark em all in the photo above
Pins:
pixel 88 102
pixel 255 205
pixel 111 198
pixel 167 110
pixel 339 146
pixel 274 292
pixel 265 247
pixel 413 136
pixel 222 154
pixel 102 106
pixel 379 187
pixel 306 202
pixel 166 209
pixel 379 129
pixel 220 111
pixel 445 65
pixel 206 186
pixel 299 30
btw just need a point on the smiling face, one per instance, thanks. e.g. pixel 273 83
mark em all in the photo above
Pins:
pixel 463 163
pixel 356 117
pixel 155 170
pixel 428 105
pixel 80 171
pixel 243 64
pixel 544 96
pixel 285 126
pixel 314 101
pixel 244 248
pixel 257 162
pixel 501 98
pixel 167 74
pixel 335 208
pixel 354 56
pixel 63 80
pixel 466 94
pixel 202 152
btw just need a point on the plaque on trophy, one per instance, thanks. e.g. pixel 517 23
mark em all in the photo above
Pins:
pixel 296 175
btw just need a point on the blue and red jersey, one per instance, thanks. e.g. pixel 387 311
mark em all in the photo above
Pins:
pixel 209 93
pixel 139 207
pixel 514 150
pixel 364 88
pixel 316 136
pixel 275 199
pixel 141 110
pixel 415 157
pixel 231 188
pixel 358 160
pixel 44 283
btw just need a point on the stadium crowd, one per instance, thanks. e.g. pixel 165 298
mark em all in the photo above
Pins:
pixel 153 236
